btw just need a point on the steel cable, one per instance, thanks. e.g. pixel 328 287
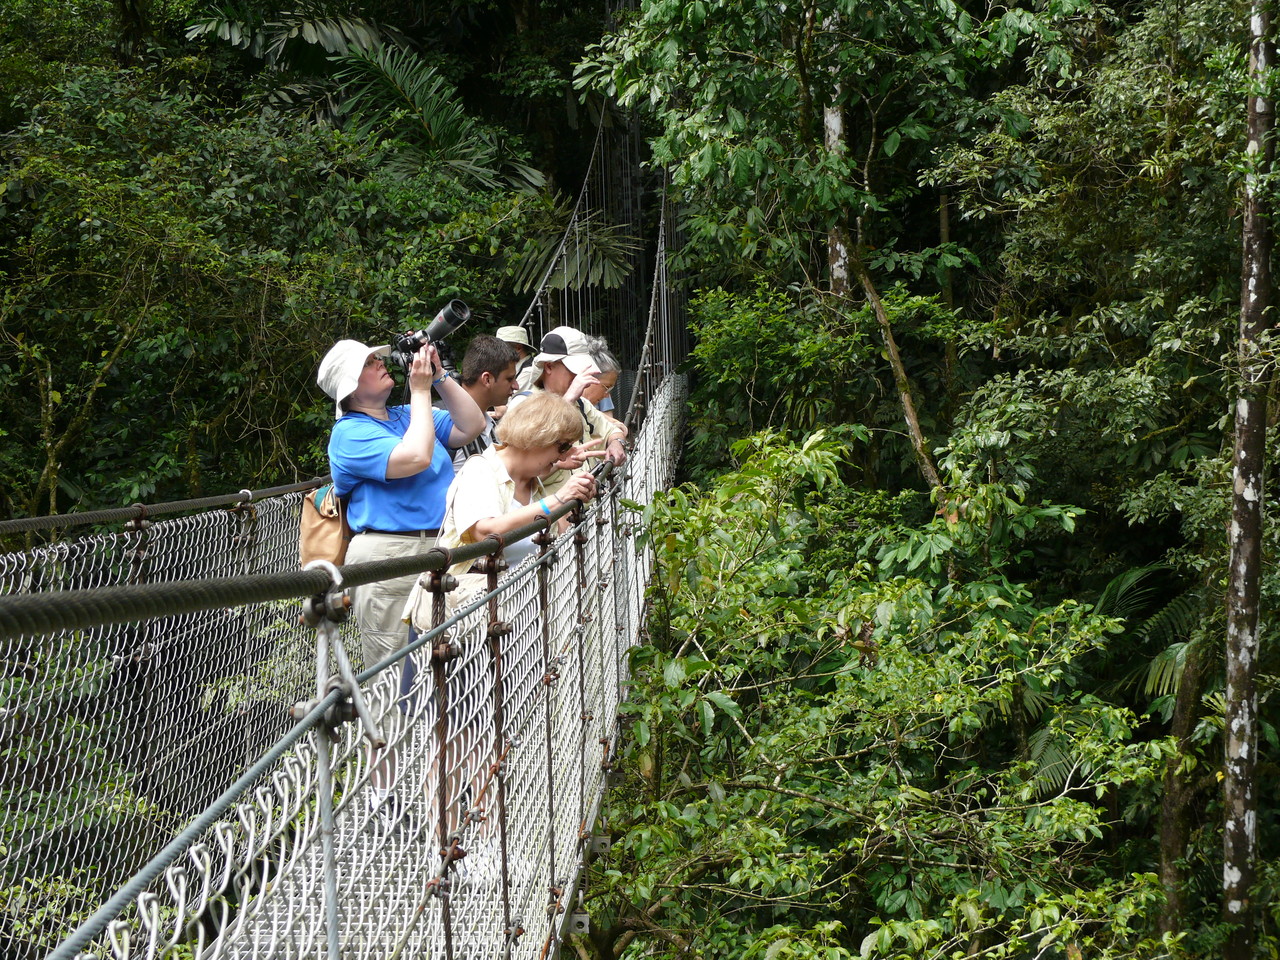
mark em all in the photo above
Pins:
pixel 143 511
pixel 38 614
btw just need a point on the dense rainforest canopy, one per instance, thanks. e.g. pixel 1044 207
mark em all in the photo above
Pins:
pixel 937 663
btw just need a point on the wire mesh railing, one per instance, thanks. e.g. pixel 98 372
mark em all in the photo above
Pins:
pixel 99 726
pixel 463 836
pixel 185 783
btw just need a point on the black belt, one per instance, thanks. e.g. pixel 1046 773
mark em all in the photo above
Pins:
pixel 420 534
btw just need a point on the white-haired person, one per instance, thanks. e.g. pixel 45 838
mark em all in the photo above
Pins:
pixel 599 393
pixel 392 466
pixel 565 367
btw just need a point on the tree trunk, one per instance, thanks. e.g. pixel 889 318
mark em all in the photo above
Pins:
pixel 833 134
pixel 133 26
pixel 1239 833
pixel 923 458
pixel 951 358
pixel 1178 793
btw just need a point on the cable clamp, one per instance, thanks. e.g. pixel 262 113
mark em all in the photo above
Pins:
pixel 140 522
pixel 332 604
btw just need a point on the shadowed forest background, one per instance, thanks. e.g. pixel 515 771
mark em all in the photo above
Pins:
pixel 936 666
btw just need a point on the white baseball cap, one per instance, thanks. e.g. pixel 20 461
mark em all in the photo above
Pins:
pixel 570 347
pixel 341 367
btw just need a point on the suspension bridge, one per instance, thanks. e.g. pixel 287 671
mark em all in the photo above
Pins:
pixel 195 766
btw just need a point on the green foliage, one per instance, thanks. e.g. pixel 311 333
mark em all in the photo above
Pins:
pixel 172 285
pixel 795 361
pixel 910 758
pixel 997 522
pixel 38 38
pixel 397 95
pixel 282 678
pixel 1110 233
pixel 35 912
pixel 284 34
pixel 764 361
pixel 738 94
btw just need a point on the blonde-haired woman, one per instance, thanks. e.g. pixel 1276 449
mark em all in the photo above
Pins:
pixel 494 492
pixel 501 489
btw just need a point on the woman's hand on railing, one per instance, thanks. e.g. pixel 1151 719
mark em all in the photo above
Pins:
pixel 581 486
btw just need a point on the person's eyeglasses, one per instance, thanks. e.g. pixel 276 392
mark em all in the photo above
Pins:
pixel 375 359
pixel 564 446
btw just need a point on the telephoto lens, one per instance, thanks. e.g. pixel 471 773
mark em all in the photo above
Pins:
pixel 451 316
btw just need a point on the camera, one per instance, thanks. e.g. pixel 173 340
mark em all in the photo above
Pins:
pixel 451 316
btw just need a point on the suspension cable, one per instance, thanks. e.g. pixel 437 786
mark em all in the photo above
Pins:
pixel 143 511
pixel 55 611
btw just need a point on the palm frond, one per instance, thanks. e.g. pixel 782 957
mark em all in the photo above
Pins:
pixel 1164 672
pixel 1175 619
pixel 1173 628
pixel 312 100
pixel 1053 763
pixel 596 254
pixel 221 27
pixel 269 40
pixel 333 34
pixel 395 94
pixel 1130 592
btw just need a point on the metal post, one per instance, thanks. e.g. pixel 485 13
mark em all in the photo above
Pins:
pixel 325 612
pixel 450 850
pixel 246 539
pixel 326 631
pixel 498 629
pixel 582 618
pixel 549 677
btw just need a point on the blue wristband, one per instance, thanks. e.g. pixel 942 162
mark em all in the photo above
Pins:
pixel 543 505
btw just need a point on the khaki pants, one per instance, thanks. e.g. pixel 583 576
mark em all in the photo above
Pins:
pixel 378 608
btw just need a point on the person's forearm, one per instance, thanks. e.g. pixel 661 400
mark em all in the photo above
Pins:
pixel 467 416
pixel 413 453
pixel 491 526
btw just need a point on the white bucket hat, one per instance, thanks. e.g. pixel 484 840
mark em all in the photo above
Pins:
pixel 341 367
pixel 514 335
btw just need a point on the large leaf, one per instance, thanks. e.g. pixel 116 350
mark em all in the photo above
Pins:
pixel 593 254
pixel 270 41
pixel 394 94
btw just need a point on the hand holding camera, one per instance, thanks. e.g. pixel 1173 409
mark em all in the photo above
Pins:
pixel 407 346
pixel 425 368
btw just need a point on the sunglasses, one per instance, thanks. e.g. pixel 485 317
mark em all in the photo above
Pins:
pixel 375 360
pixel 564 446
